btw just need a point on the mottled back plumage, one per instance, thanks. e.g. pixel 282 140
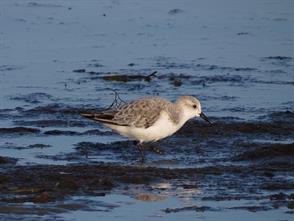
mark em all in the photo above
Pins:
pixel 141 113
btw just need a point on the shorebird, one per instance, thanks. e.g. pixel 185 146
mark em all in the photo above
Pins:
pixel 149 119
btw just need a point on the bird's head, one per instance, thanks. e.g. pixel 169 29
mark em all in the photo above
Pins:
pixel 191 107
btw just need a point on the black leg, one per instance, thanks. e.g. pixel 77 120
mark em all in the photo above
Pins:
pixel 141 149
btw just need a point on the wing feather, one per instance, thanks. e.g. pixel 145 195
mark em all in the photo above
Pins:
pixel 141 113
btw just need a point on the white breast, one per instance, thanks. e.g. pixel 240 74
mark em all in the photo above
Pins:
pixel 162 128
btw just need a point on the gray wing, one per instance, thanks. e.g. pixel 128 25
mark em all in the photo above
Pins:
pixel 141 113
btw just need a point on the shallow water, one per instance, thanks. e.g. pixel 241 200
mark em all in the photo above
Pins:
pixel 58 58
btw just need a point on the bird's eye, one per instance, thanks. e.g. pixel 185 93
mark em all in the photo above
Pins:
pixel 194 106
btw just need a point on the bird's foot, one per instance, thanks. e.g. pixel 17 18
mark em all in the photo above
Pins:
pixel 155 149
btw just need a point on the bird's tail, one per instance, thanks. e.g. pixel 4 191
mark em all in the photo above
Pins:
pixel 91 116
pixel 102 118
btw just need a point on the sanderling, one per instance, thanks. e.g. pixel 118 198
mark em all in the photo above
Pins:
pixel 149 119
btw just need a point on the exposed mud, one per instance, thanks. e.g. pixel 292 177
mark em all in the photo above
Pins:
pixel 268 152
pixel 43 184
pixel 74 133
pixel 127 78
pixel 188 208
pixel 52 123
pixel 228 154
pixel 19 130
pixel 7 160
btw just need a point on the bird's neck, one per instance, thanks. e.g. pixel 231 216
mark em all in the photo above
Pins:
pixel 183 114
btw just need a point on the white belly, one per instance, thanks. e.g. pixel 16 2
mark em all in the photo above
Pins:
pixel 162 128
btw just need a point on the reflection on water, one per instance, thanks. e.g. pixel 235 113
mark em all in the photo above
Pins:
pixel 163 190
pixel 147 197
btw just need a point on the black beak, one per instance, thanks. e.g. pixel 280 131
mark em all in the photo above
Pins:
pixel 203 116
